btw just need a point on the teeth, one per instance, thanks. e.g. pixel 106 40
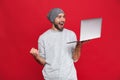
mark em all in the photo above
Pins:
pixel 61 22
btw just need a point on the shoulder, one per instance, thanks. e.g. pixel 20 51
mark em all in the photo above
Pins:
pixel 69 31
pixel 44 35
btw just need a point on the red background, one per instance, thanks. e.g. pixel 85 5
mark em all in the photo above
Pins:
pixel 22 21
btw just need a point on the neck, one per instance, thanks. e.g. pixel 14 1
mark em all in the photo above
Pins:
pixel 53 28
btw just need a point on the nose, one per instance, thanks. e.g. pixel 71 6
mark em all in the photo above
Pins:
pixel 62 18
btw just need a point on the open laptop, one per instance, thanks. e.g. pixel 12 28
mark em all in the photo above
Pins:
pixel 90 29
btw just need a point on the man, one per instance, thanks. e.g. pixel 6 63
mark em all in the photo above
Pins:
pixel 54 51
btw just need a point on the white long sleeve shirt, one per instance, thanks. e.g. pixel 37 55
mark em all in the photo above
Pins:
pixel 53 47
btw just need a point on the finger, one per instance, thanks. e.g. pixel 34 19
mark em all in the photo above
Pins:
pixel 32 50
pixel 83 42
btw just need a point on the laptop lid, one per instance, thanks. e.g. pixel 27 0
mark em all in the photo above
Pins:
pixel 90 29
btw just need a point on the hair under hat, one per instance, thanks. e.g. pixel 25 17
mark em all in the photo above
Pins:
pixel 54 13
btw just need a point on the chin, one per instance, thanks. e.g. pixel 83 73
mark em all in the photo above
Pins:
pixel 61 29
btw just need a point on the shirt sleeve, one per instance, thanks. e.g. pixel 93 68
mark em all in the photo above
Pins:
pixel 41 47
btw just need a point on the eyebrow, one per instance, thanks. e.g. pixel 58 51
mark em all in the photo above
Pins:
pixel 61 15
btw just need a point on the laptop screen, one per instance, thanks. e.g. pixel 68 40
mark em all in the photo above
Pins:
pixel 90 29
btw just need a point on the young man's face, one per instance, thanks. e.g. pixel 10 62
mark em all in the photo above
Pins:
pixel 59 21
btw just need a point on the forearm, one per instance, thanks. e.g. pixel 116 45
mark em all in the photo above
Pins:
pixel 40 60
pixel 76 53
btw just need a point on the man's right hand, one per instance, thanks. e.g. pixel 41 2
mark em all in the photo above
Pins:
pixel 34 52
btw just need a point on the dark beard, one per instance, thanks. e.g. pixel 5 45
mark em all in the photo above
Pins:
pixel 56 26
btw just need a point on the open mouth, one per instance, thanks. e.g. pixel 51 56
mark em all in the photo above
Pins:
pixel 61 24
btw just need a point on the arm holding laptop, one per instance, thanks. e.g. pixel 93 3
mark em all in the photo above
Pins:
pixel 77 50
pixel 90 29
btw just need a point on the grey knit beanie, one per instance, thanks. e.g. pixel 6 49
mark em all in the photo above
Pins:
pixel 54 13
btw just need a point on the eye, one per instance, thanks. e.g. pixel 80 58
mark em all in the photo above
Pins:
pixel 59 16
pixel 64 16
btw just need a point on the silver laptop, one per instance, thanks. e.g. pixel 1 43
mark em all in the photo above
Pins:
pixel 90 29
